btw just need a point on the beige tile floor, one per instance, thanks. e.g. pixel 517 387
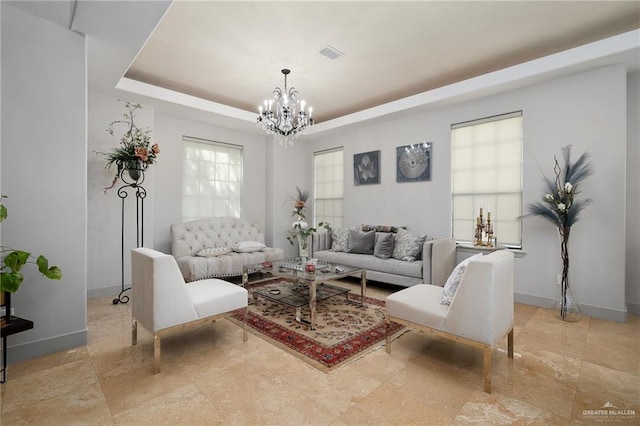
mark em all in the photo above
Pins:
pixel 560 374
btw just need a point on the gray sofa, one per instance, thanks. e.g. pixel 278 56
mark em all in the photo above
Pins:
pixel 204 248
pixel 433 266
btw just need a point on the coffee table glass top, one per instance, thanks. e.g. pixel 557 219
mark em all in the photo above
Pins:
pixel 295 269
pixel 296 295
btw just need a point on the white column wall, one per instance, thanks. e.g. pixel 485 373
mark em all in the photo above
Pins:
pixel 44 175
pixel 292 167
pixel 633 194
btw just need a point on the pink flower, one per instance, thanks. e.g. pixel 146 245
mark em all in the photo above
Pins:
pixel 155 148
pixel 142 154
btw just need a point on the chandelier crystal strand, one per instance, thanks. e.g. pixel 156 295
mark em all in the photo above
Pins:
pixel 280 115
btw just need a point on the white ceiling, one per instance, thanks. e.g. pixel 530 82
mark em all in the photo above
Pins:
pixel 232 52
pixel 225 56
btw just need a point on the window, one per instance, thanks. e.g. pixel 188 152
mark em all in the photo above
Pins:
pixel 211 179
pixel 487 172
pixel 328 187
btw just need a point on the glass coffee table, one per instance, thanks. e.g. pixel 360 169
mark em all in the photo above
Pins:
pixel 304 287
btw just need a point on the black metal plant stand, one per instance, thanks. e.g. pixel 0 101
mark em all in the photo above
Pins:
pixel 133 178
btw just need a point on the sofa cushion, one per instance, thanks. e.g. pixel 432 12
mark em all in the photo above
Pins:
pixel 408 246
pixel 372 263
pixel 215 296
pixel 361 242
pixel 383 247
pixel 247 246
pixel 213 251
pixel 450 287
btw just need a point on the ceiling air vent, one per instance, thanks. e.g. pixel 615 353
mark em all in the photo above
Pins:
pixel 331 52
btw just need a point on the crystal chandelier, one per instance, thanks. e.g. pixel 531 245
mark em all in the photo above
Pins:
pixel 279 116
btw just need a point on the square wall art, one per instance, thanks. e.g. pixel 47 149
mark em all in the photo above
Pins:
pixel 366 168
pixel 413 162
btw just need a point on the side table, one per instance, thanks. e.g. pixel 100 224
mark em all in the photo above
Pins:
pixel 16 325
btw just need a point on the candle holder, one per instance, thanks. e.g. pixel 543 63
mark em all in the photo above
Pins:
pixel 483 230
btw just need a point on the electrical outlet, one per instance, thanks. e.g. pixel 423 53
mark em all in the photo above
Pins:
pixel 559 279
pixel 3 311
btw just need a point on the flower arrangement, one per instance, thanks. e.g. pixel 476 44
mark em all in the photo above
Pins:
pixel 300 229
pixel 560 207
pixel 13 260
pixel 135 151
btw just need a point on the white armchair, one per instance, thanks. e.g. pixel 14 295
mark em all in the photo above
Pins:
pixel 162 302
pixel 480 314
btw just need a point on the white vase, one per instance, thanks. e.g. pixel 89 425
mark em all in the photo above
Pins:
pixel 567 309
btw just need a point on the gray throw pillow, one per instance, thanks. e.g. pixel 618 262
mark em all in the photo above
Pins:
pixel 384 245
pixel 361 242
pixel 408 246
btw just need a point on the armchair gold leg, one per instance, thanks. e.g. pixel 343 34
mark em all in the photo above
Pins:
pixel 156 353
pixel 510 344
pixel 134 333
pixel 487 369
pixel 244 325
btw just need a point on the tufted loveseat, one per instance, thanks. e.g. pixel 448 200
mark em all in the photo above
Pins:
pixel 191 240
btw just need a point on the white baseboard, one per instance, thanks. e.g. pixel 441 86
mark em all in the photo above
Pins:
pixel 590 311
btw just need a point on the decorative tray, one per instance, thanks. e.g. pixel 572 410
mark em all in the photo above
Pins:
pixel 298 265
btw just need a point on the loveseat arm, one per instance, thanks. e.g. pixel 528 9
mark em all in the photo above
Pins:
pixel 439 260
pixel 320 240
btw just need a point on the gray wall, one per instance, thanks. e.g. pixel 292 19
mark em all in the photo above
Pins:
pixel 588 110
pixel 44 174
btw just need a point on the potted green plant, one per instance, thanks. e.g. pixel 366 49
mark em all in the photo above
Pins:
pixel 11 265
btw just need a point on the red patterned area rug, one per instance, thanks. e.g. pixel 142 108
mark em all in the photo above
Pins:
pixel 344 330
